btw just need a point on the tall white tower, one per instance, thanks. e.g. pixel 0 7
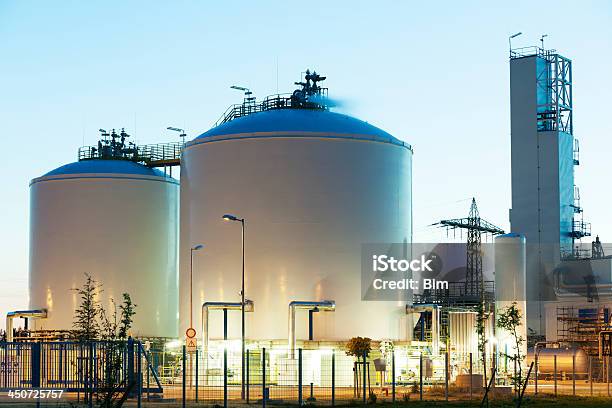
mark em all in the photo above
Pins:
pixel 544 153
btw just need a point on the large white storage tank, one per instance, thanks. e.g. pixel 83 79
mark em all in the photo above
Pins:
pixel 313 186
pixel 115 220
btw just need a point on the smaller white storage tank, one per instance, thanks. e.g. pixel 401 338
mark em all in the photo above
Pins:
pixel 116 220
pixel 510 276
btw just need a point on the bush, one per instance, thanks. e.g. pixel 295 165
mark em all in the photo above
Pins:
pixel 358 346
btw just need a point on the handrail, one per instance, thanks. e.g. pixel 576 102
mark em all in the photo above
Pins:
pixel 147 154
pixel 150 366
pixel 271 102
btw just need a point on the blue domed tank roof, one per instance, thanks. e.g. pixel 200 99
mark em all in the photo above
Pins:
pixel 105 167
pixel 299 120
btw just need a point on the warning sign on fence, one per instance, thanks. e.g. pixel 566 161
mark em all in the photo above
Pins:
pixel 190 340
pixel 192 345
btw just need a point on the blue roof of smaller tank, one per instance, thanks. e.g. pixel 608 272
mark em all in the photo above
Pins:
pixel 105 166
pixel 296 120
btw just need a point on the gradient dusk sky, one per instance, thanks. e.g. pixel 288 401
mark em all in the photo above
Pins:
pixel 434 74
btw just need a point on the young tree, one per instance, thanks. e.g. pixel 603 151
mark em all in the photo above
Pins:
pixel 115 333
pixel 510 320
pixel 481 329
pixel 128 310
pixel 359 347
pixel 85 324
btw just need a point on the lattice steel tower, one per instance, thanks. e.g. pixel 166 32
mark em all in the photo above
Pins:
pixel 475 226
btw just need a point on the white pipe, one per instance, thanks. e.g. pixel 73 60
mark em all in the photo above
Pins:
pixel 249 306
pixel 435 323
pixel 325 305
pixel 34 314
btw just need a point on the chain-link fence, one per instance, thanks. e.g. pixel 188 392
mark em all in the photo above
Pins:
pixel 277 375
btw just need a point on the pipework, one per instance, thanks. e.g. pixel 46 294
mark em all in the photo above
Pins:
pixel 323 305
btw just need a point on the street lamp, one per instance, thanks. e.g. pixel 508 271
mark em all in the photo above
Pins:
pixel 193 248
pixel 510 41
pixel 182 133
pixel 542 40
pixel 230 217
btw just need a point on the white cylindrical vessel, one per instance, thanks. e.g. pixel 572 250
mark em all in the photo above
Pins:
pixel 118 222
pixel 313 187
pixel 510 276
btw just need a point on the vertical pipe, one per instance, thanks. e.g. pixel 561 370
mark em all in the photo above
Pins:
pixel 310 324
pixel 393 375
pixel 300 377
pixel 365 379
pixel 184 374
pixel 421 376
pixel 574 374
pixel 555 373
pixel 197 355
pixel 248 376
pixel 291 330
pixel 333 379
pixel 263 377
pixel 471 376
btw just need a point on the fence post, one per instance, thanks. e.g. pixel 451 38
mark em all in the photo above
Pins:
pixel 148 374
pixel 139 374
pixel 184 374
pixel 446 362
pixel 393 375
pixel 35 364
pixel 247 375
pixel 555 372
pixel 591 374
pixel 130 361
pixel 421 376
pixel 197 367
pixel 574 374
pixel 515 385
pixel 471 376
pixel 535 352
pixel 333 379
pixel 263 377
pixel 608 376
pixel 365 379
pixel 300 377
pixel 224 373
pixel 90 375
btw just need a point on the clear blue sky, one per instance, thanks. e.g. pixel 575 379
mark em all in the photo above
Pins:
pixel 432 73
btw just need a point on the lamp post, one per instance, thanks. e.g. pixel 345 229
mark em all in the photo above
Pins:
pixel 193 248
pixel 182 133
pixel 510 41
pixel 230 217
pixel 542 40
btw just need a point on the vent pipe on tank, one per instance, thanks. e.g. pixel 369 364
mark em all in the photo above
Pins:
pixel 27 314
pixel 325 305
pixel 249 306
